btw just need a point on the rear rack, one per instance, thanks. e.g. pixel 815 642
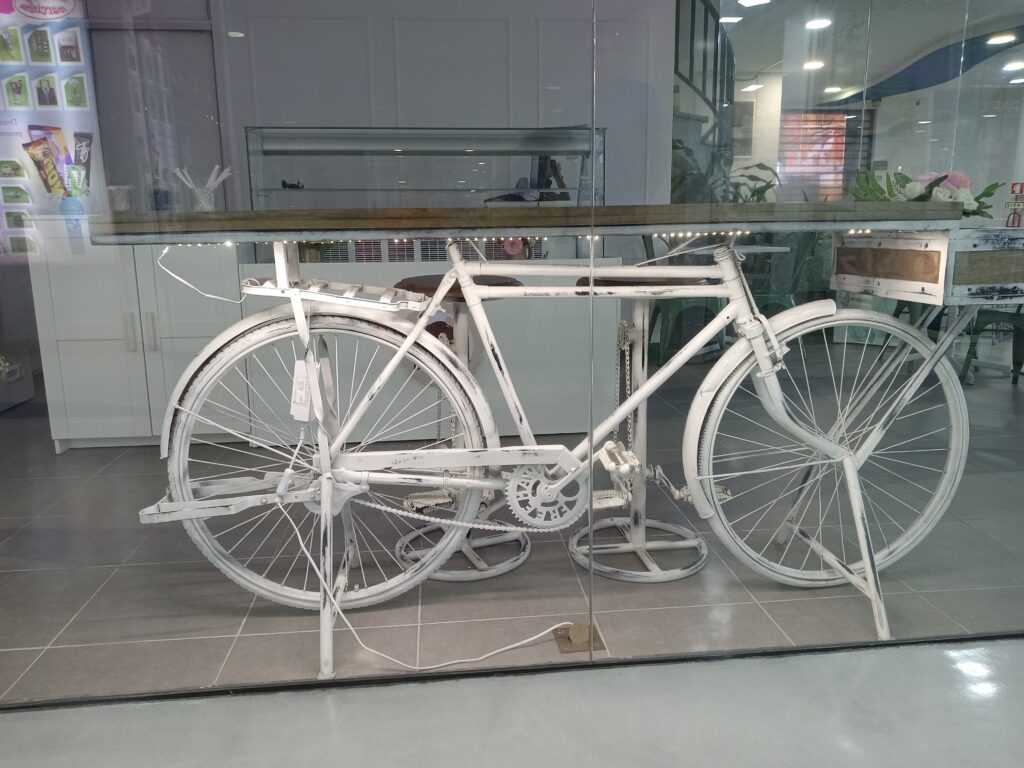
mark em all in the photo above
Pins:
pixel 345 294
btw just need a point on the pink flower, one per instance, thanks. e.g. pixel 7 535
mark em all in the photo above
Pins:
pixel 955 179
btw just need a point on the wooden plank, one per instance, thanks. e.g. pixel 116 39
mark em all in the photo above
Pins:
pixel 988 267
pixel 889 263
pixel 520 219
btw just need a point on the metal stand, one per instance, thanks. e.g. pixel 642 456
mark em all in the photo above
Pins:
pixel 636 529
pixel 476 542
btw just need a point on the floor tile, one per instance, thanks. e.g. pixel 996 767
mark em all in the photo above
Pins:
pixel 546 583
pixel 849 619
pixel 295 655
pixel 12 664
pixel 34 496
pixel 1004 525
pixel 266 616
pixel 69 541
pixel 982 493
pixel 99 670
pixel 166 543
pixel 36 604
pixel 150 602
pixel 712 585
pixel 956 556
pixel 39 460
pixel 983 610
pixel 662 631
pixel 440 643
pixel 11 525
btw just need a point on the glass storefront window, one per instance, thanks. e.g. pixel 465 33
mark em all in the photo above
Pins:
pixel 322 306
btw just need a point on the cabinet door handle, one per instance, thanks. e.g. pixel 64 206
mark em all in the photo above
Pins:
pixel 151 331
pixel 131 338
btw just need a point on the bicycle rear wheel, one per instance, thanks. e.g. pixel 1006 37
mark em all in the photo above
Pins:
pixel 840 375
pixel 233 434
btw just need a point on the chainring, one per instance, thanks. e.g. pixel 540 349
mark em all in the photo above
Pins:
pixel 524 493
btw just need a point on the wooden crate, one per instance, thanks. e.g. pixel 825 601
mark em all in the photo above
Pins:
pixel 969 266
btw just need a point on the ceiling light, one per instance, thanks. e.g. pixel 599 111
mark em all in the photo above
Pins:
pixel 833 89
pixel 852 117
pixel 924 122
pixel 1017 81
pixel 752 3
pixel 731 19
pixel 990 115
pixel 920 130
pixel 1013 66
pixel 818 24
pixel 815 64
pixel 752 87
pixel 402 181
pixel 396 150
pixel 236 34
pixel 1002 39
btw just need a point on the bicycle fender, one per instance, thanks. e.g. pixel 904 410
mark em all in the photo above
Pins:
pixel 400 325
pixel 716 378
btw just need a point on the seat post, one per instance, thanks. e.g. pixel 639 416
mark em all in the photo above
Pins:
pixel 286 263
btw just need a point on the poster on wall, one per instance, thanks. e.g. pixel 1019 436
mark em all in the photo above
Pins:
pixel 47 108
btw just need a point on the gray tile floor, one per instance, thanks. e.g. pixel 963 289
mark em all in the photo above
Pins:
pixel 924 706
pixel 95 603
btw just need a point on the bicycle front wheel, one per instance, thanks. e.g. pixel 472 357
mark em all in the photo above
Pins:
pixel 233 433
pixel 841 375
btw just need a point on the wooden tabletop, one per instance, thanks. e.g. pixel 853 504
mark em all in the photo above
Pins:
pixel 248 226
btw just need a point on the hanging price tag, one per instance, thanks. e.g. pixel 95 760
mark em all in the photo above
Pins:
pixel 300 392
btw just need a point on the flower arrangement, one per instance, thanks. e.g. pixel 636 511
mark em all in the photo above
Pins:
pixel 954 186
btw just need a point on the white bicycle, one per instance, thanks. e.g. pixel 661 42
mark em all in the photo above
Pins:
pixel 823 445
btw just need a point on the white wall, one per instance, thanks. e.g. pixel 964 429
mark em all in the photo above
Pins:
pixel 464 63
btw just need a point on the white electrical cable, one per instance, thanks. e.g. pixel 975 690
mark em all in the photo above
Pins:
pixel 381 654
pixel 183 281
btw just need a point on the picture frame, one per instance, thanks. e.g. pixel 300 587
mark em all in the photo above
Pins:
pixel 15 195
pixel 12 169
pixel 22 244
pixel 17 92
pixel 45 91
pixel 17 220
pixel 75 92
pixel 11 49
pixel 39 46
pixel 69 45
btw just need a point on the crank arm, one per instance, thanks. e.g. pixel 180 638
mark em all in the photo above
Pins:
pixel 167 511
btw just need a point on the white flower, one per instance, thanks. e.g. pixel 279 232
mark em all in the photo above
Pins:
pixel 913 189
pixel 970 205
pixel 964 195
pixel 942 195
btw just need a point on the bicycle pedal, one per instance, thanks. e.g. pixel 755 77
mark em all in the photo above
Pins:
pixel 618 460
pixel 425 499
pixel 610 500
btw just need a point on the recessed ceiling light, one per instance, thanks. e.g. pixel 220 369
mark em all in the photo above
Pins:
pixel 1013 66
pixel 731 19
pixel 752 3
pixel 815 64
pixel 932 139
pixel 924 122
pixel 461 181
pixel 852 117
pixel 752 87
pixel 396 150
pixel 470 150
pixel 833 89
pixel 1002 39
pixel 920 130
pixel 402 181
pixel 818 23
pixel 236 34
pixel 1017 81
pixel 990 115
pixel 482 162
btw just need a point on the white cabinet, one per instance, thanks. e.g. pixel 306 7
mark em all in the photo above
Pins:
pixel 90 339
pixel 114 336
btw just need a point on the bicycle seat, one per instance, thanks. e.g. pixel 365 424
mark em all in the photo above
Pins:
pixel 427 284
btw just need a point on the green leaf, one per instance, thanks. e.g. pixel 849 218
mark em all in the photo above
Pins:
pixel 931 185
pixel 989 190
pixel 902 179
pixel 890 190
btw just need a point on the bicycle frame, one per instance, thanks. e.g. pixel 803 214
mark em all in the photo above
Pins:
pixel 739 310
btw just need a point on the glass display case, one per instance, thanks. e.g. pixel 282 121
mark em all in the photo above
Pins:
pixel 306 168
